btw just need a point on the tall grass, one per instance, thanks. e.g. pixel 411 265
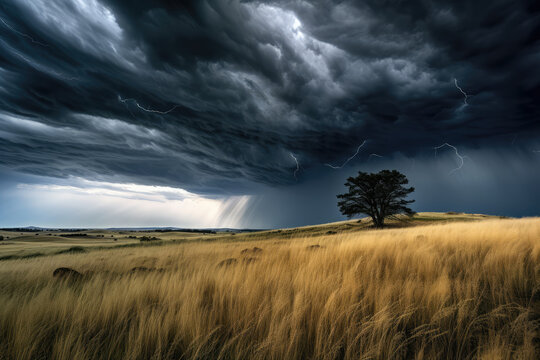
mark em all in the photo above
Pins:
pixel 464 290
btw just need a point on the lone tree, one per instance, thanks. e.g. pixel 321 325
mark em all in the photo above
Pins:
pixel 378 195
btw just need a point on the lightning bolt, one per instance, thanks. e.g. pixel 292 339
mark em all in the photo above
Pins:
pixel 124 101
pixel 349 159
pixel 22 34
pixel 374 155
pixel 460 157
pixel 297 165
pixel 463 92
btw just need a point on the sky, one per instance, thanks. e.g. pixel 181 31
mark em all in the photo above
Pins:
pixel 252 114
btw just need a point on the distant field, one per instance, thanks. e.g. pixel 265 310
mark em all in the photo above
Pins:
pixel 442 286
pixel 17 245
pixel 32 244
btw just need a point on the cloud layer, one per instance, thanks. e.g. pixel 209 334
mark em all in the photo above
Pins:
pixel 215 96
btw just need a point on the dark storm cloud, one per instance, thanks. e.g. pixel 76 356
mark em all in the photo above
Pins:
pixel 252 82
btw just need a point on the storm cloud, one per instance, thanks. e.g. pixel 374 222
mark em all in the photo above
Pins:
pixel 215 96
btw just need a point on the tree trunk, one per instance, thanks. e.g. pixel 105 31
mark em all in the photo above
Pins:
pixel 378 222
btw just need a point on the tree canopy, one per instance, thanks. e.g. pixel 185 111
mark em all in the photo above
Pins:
pixel 378 195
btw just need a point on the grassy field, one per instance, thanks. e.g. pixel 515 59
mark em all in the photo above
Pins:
pixel 22 245
pixel 438 287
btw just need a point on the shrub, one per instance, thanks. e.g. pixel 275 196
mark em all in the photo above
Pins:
pixel 72 250
pixel 148 238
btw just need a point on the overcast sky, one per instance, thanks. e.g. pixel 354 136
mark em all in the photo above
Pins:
pixel 253 113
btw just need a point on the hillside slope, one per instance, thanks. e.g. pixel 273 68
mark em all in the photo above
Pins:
pixel 434 291
pixel 19 245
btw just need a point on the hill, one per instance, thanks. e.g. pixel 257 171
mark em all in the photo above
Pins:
pixel 34 241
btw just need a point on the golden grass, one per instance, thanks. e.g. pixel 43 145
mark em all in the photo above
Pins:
pixel 43 243
pixel 20 245
pixel 460 290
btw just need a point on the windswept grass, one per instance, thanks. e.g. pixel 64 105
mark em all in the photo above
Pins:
pixel 457 290
pixel 23 245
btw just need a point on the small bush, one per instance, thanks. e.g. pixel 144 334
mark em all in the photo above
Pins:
pixel 73 250
pixel 1 238
pixel 148 238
